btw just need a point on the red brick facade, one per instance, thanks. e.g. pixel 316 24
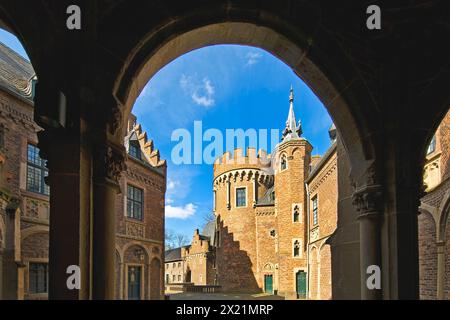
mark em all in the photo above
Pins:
pixel 24 215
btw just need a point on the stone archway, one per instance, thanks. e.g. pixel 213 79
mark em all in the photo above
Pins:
pixel 149 58
pixel 155 279
pixel 376 99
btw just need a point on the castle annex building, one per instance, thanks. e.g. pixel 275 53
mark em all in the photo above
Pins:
pixel 25 215
pixel 194 264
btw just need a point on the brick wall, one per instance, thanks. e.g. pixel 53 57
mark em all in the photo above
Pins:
pixel 427 256
pixel 323 186
pixel 444 132
pixel 325 273
pixel 447 260
pixel 290 190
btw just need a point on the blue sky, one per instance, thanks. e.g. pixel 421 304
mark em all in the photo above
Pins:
pixel 225 87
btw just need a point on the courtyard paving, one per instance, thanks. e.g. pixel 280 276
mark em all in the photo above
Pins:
pixel 222 296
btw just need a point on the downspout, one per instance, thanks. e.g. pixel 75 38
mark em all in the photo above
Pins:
pixel 307 238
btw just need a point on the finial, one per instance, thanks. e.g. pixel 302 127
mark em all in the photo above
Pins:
pixel 293 130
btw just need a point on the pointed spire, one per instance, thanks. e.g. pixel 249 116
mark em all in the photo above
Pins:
pixel 292 130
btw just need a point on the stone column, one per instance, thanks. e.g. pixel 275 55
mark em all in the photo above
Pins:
pixel 69 163
pixel 367 201
pixel 228 182
pixel 109 162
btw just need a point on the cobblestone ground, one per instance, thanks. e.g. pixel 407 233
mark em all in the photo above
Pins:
pixel 222 296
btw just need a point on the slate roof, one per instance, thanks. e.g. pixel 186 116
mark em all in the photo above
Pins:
pixel 321 162
pixel 172 255
pixel 16 74
pixel 209 231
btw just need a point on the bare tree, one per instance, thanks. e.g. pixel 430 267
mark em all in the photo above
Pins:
pixel 208 216
pixel 169 239
pixel 181 240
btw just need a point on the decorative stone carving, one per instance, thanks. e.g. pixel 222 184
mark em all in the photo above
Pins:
pixel 110 163
pixel 314 234
pixel 368 200
pixel 269 267
pixel 36 209
pixel 135 230
pixel 116 120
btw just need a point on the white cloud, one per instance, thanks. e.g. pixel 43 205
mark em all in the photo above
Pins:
pixel 252 58
pixel 201 93
pixel 181 212
pixel 169 200
pixel 171 184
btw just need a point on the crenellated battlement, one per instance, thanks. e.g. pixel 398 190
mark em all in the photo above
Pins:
pixel 250 160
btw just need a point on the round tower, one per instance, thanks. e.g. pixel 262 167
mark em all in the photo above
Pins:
pixel 239 182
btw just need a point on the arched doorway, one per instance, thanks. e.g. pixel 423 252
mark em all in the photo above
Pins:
pixel 136 281
pixel 146 61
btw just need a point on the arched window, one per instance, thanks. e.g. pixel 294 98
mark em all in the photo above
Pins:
pixel 296 248
pixel 283 162
pixel 296 214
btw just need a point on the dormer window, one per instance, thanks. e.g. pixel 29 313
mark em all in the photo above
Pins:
pixel 432 146
pixel 135 150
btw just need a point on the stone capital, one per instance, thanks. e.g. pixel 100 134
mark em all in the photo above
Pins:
pixel 368 200
pixel 109 163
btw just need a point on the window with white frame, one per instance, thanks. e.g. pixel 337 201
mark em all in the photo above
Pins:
pixel 36 171
pixel 241 197
pixel 315 210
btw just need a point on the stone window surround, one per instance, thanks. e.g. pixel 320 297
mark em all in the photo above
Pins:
pixel 27 262
pixel 300 213
pixel 125 197
pixel 235 196
pixel 143 275
pixel 315 221
pixel 42 168
pixel 285 157
pixel 300 252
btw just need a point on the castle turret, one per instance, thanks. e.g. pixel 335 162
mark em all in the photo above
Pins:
pixel 292 160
